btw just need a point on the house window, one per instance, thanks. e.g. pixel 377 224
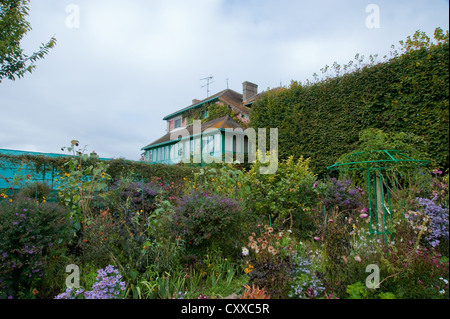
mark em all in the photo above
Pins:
pixel 211 144
pixel 203 114
pixel 166 151
pixel 154 156
pixel 177 123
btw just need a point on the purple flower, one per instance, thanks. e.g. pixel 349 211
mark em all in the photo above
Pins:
pixel 109 269
pixel 439 224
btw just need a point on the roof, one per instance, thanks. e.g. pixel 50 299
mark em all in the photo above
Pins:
pixel 220 123
pixel 251 100
pixel 227 96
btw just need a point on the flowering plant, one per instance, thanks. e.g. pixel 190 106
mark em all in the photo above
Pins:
pixel 201 219
pixel 305 283
pixel 29 232
pixel 107 286
pixel 270 260
pixel 342 194
pixel 85 178
pixel 270 245
pixel 438 225
pixel 439 186
pixel 141 195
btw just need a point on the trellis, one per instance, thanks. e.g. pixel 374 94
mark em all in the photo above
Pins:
pixel 377 164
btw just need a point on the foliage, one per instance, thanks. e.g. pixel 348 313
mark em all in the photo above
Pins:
pixel 408 93
pixel 286 196
pixel 202 219
pixel 335 235
pixel 38 191
pixel 31 233
pixel 107 286
pixel 254 293
pixel 271 261
pixel 45 167
pixel 439 187
pixel 214 111
pixel 305 282
pixel 224 180
pixel 85 178
pixel 373 142
pixel 218 110
pixel 141 196
pixel 13 27
pixel 437 227
pixel 341 194
pixel 407 269
pixel 176 173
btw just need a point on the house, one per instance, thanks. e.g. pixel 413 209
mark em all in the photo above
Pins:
pixel 208 130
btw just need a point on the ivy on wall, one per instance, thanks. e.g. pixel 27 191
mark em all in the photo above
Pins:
pixel 214 111
pixel 46 167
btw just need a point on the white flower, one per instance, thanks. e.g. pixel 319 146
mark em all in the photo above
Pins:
pixel 244 251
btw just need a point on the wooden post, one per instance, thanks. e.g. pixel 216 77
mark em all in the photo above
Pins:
pixel 380 210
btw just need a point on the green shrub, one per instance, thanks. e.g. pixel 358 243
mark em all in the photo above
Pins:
pixel 30 233
pixel 202 220
pixel 38 191
pixel 285 197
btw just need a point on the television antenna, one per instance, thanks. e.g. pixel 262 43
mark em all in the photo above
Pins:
pixel 208 82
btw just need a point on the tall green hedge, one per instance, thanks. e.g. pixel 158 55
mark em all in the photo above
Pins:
pixel 408 93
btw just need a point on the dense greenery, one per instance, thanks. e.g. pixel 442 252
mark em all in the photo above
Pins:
pixel 47 167
pixel 407 93
pixel 217 233
pixel 167 231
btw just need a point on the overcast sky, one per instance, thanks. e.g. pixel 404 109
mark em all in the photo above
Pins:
pixel 111 79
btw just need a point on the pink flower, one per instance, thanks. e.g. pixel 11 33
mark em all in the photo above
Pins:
pixel 317 238
pixel 363 215
pixel 357 258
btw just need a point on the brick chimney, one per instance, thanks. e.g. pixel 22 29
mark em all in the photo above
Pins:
pixel 195 101
pixel 249 90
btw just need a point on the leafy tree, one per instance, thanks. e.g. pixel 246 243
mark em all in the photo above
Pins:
pixel 13 27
